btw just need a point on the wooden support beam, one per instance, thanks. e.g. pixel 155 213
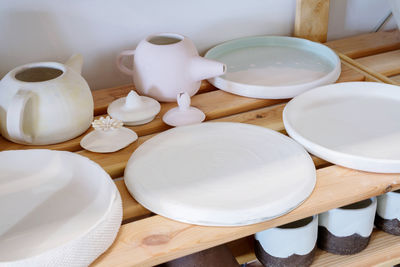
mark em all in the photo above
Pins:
pixel 312 18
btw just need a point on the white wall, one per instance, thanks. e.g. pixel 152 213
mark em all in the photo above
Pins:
pixel 99 29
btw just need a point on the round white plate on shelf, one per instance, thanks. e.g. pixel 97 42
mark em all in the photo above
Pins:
pixel 274 66
pixel 354 124
pixel 220 174
pixel 57 209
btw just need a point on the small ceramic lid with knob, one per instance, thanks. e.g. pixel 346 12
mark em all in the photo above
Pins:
pixel 184 114
pixel 108 136
pixel 134 109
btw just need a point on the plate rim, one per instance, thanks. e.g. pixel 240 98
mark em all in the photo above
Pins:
pixel 274 92
pixel 113 197
pixel 161 211
pixel 329 154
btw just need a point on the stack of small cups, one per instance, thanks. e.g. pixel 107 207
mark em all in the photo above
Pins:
pixel 342 231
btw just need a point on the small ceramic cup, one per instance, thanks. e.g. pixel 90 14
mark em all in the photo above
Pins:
pixel 347 230
pixel 291 244
pixel 387 216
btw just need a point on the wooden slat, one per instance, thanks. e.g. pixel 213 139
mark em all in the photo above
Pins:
pixel 367 44
pixel 370 74
pixel 212 103
pixel 312 17
pixel 157 239
pixel 387 64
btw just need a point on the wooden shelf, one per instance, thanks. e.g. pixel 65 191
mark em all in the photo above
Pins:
pixel 148 239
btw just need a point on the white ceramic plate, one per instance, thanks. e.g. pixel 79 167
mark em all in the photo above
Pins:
pixel 220 174
pixel 274 66
pixel 55 209
pixel 354 124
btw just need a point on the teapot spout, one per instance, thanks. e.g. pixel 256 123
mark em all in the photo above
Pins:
pixel 75 62
pixel 202 68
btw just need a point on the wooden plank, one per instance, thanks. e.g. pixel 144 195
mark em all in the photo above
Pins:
pixel 103 97
pixel 387 64
pixel 211 103
pixel 370 74
pixel 383 250
pixel 367 44
pixel 312 17
pixel 157 239
pixel 215 104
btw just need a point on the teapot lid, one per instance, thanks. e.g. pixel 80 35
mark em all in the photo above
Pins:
pixel 184 114
pixel 108 136
pixel 134 109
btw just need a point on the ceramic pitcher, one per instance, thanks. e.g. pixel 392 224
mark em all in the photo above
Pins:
pixel 45 103
pixel 167 64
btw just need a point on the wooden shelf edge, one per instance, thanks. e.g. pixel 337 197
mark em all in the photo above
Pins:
pixel 157 239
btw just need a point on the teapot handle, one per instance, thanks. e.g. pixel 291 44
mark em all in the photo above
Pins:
pixel 121 66
pixel 15 116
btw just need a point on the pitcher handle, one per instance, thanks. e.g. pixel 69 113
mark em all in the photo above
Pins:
pixel 15 116
pixel 121 66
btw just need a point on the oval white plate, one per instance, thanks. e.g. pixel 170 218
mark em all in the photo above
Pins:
pixel 49 202
pixel 354 124
pixel 274 66
pixel 220 174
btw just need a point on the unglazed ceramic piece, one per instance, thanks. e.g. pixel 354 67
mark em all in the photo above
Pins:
pixel 352 124
pixel 184 114
pixel 108 136
pixel 220 174
pixel 167 64
pixel 389 205
pixel 61 209
pixel 134 109
pixel 45 103
pixel 298 238
pixel 387 216
pixel 274 66
pixel 357 218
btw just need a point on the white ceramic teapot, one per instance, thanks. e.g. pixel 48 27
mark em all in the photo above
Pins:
pixel 45 102
pixel 167 64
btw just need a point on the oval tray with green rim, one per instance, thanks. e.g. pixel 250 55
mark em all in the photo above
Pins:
pixel 274 67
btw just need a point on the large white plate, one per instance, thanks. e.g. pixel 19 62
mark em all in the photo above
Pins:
pixel 220 174
pixel 274 66
pixel 355 124
pixel 57 209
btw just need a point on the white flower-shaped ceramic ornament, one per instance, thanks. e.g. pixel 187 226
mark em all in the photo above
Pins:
pixel 184 114
pixel 134 109
pixel 109 135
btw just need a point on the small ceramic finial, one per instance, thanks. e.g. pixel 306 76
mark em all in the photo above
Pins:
pixel 134 109
pixel 183 100
pixel 133 100
pixel 106 124
pixel 184 114
pixel 109 136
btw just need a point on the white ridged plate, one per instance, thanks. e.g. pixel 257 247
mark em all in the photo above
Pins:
pixel 220 174
pixel 57 209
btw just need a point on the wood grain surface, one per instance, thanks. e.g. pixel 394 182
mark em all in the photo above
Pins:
pixel 157 239
pixel 311 21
